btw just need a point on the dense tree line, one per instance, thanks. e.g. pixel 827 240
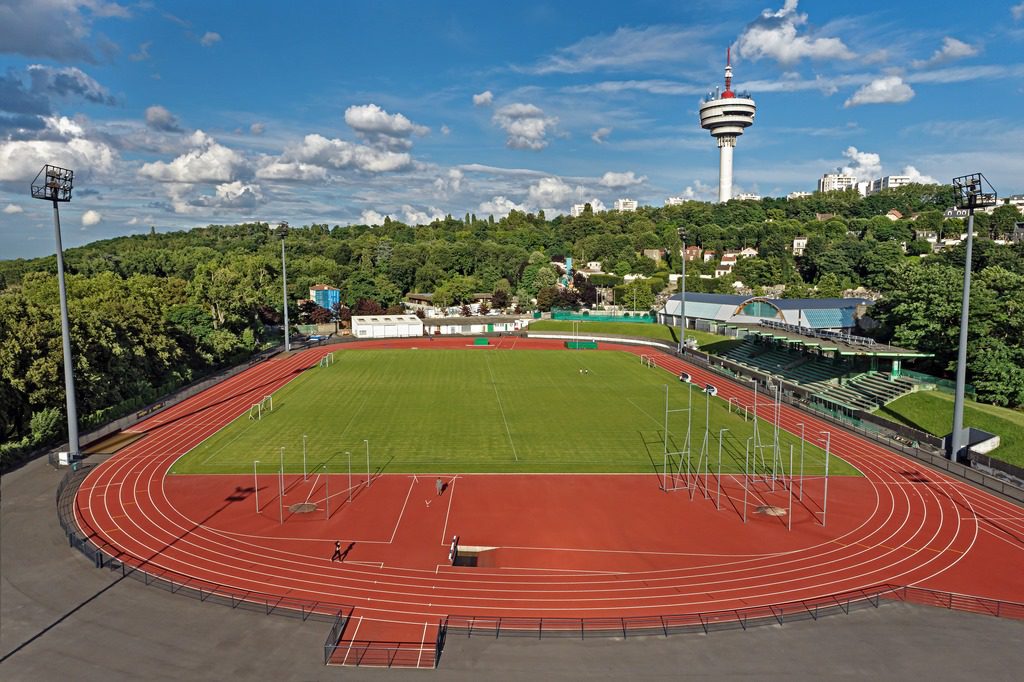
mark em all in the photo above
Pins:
pixel 149 310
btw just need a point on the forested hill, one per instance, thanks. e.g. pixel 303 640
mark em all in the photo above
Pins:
pixel 162 308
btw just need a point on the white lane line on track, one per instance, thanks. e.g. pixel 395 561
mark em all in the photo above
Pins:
pixel 904 493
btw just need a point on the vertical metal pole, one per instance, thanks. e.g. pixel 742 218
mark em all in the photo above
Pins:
pixel 746 467
pixel 281 485
pixel 256 484
pixel 284 290
pixel 961 354
pixel 665 434
pixel 790 513
pixel 304 475
pixel 801 461
pixel 707 435
pixel 349 476
pixel 689 429
pixel 718 502
pixel 327 491
pixel 682 302
pixel 65 334
pixel 367 442
pixel 824 505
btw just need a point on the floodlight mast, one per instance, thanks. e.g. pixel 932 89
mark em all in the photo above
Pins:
pixel 970 194
pixel 282 230
pixel 55 186
pixel 682 299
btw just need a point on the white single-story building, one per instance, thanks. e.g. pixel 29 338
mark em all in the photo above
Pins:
pixel 386 326
pixel 474 325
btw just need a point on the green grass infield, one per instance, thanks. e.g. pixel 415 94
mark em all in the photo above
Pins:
pixel 932 411
pixel 482 410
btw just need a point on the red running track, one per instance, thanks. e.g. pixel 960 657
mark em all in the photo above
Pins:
pixel 565 545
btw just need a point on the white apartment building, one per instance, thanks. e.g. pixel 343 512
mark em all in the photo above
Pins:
pixel 797 195
pixel 577 210
pixel 625 205
pixel 674 201
pixel 836 182
pixel 887 182
pixel 747 196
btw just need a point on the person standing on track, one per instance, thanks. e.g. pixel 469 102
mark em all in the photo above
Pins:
pixel 337 551
pixel 439 485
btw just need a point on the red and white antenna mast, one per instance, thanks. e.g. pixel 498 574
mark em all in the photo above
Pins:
pixel 728 74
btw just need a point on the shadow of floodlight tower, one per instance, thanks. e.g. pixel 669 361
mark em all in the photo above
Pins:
pixel 54 184
pixel 970 194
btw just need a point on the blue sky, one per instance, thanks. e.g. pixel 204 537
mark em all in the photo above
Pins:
pixel 188 113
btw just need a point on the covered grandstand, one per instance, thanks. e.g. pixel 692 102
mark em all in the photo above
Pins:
pixel 715 312
pixel 837 369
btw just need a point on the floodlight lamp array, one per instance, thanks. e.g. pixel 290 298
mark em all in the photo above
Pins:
pixel 970 191
pixel 53 183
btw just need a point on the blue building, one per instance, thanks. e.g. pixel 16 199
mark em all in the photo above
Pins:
pixel 325 296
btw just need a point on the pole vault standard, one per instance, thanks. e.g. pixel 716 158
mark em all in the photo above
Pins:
pixel 256 484
pixel 801 498
pixel 824 504
pixel 666 453
pixel 789 514
pixel 746 477
pixel 281 485
pixel 368 479
pixel 705 453
pixel 718 500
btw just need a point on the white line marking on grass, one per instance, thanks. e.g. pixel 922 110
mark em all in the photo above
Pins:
pixel 498 397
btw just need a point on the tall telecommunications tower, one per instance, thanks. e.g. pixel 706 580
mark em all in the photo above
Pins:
pixel 725 115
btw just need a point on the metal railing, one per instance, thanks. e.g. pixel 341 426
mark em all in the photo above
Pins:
pixel 637 626
pixel 381 654
pixel 843 337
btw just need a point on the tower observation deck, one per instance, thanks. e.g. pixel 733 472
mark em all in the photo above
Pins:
pixel 725 115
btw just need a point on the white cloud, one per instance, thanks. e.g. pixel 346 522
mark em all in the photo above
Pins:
pixel 67 82
pixel 774 35
pixel 56 29
pixel 371 217
pixel 626 48
pixel 864 165
pixel 227 196
pixel 209 161
pixel 11 209
pixel 499 207
pixel 916 176
pixel 143 53
pixel 887 90
pixel 1017 11
pixel 600 134
pixel 484 99
pixel 343 155
pixel 20 160
pixel 700 191
pixel 159 118
pixel 257 128
pixel 620 180
pixel 445 130
pixel 380 127
pixel 290 170
pixel 549 192
pixel 450 183
pixel 90 218
pixel 209 39
pixel 951 49
pixel 526 125
pixel 414 216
